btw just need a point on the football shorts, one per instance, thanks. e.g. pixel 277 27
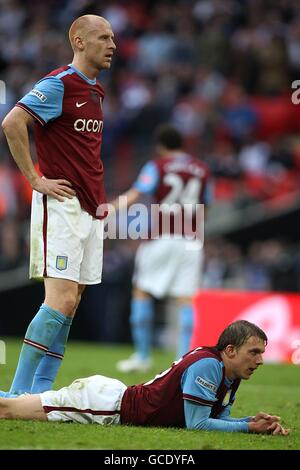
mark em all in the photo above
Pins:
pixel 95 399
pixel 65 241
pixel 169 267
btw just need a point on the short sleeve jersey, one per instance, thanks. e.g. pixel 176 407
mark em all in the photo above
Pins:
pixel 178 184
pixel 199 376
pixel 67 107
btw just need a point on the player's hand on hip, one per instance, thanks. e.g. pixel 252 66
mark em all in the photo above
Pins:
pixel 59 189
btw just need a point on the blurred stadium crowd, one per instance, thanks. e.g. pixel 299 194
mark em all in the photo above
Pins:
pixel 220 70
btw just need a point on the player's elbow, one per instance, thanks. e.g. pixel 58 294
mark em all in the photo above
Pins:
pixel 4 125
pixel 14 122
pixel 199 425
pixel 8 125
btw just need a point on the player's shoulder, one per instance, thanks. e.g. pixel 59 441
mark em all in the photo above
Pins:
pixel 199 163
pixel 156 158
pixel 66 74
pixel 203 356
pixel 54 79
pixel 207 367
pixel 59 72
pixel 162 163
pixel 183 162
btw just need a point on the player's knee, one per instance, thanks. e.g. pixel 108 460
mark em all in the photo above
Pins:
pixel 139 294
pixel 184 300
pixel 68 304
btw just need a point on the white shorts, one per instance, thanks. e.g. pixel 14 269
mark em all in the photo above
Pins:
pixel 169 267
pixel 65 241
pixel 95 399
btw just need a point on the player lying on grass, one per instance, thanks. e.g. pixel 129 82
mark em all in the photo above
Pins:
pixel 196 392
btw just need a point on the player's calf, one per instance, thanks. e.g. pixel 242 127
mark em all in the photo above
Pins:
pixel 23 407
pixel 5 408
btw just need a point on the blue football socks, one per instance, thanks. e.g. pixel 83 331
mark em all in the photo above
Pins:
pixel 49 365
pixel 141 318
pixel 7 394
pixel 186 329
pixel 39 336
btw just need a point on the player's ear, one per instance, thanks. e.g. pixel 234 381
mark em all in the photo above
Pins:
pixel 230 351
pixel 78 42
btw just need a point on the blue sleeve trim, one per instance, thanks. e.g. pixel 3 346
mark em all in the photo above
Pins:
pixel 148 179
pixel 29 111
pixel 198 400
pixel 197 417
pixel 45 99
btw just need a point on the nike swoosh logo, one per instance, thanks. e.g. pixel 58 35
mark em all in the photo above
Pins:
pixel 78 105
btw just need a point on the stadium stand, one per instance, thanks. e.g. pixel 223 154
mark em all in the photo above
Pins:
pixel 220 71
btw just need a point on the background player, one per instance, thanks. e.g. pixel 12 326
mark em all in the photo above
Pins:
pixel 191 393
pixel 66 236
pixel 170 264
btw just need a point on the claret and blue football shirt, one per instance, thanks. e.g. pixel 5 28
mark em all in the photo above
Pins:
pixel 194 393
pixel 67 107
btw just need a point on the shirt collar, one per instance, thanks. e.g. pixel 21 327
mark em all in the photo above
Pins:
pixel 89 80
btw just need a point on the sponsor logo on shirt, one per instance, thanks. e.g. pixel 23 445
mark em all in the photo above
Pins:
pixel 88 125
pixel 78 105
pixel 205 384
pixel 38 94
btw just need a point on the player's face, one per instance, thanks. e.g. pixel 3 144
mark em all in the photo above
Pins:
pixel 247 358
pixel 100 47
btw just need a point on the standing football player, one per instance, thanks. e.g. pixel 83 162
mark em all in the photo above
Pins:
pixel 168 265
pixel 65 108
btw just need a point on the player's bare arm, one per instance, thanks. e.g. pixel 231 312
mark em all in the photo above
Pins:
pixel 15 127
pixel 126 199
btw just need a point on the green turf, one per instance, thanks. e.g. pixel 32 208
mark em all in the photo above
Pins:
pixel 273 388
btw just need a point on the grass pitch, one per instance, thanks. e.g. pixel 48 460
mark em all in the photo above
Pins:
pixel 273 388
